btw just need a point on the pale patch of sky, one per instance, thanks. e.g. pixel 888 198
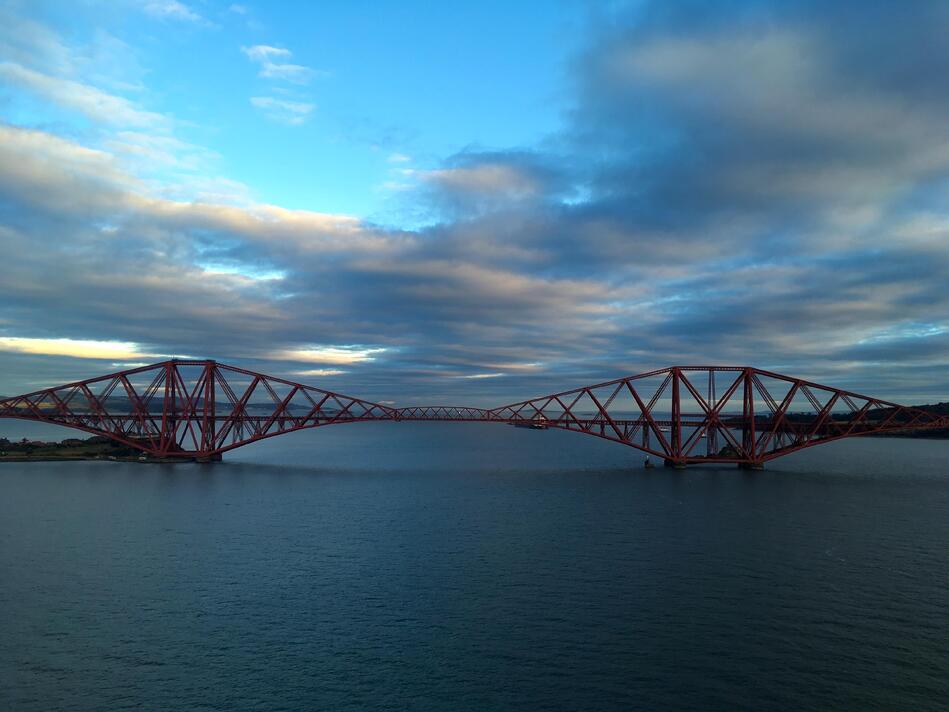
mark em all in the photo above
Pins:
pixel 337 355
pixel 76 348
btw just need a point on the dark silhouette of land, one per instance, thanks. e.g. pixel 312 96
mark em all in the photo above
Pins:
pixel 97 447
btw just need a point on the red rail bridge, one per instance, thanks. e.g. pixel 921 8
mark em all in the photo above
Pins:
pixel 681 414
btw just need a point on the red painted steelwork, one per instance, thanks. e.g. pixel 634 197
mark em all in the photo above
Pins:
pixel 200 409
pixel 194 409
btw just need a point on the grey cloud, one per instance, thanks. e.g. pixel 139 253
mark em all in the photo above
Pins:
pixel 477 182
pixel 761 114
pixel 739 182
pixel 128 269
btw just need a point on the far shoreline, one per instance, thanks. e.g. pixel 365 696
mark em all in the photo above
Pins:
pixel 96 448
pixel 101 449
pixel 90 458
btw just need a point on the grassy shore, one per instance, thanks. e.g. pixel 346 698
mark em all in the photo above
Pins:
pixel 73 449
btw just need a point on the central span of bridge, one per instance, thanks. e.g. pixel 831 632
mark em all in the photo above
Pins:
pixel 680 414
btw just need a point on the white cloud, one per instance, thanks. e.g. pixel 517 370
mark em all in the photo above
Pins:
pixel 293 109
pixel 61 177
pixel 287 112
pixel 520 366
pixel 159 149
pixel 171 10
pixel 263 53
pixel 293 73
pixel 93 103
pixel 320 372
pixel 265 56
pixel 26 41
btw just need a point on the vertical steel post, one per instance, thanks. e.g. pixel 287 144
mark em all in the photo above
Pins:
pixel 168 422
pixel 208 436
pixel 711 432
pixel 676 417
pixel 748 441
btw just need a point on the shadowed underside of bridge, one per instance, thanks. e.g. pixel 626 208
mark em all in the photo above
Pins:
pixel 682 414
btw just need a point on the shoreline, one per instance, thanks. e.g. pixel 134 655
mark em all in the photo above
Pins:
pixel 100 449
pixel 95 448
pixel 92 458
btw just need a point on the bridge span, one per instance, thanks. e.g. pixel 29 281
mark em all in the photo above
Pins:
pixel 680 414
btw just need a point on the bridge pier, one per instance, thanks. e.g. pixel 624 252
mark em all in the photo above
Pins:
pixel 750 465
pixel 675 464
pixel 216 457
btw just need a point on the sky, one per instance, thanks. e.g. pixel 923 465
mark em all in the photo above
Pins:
pixel 474 203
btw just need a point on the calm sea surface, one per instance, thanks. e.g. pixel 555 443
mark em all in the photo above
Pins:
pixel 476 567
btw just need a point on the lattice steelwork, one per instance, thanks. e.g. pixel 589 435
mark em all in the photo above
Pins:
pixel 443 412
pixel 190 408
pixel 682 414
pixel 743 415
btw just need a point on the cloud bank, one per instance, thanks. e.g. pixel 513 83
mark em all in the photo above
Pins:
pixel 745 183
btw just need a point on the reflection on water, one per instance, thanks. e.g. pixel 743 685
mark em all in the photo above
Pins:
pixel 450 566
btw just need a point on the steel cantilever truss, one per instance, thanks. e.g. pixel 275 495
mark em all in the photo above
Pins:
pixel 682 414
pixel 190 408
pixel 728 414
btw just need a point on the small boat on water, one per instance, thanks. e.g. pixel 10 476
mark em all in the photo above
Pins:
pixel 531 424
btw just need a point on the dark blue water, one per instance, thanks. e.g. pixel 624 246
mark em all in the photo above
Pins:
pixel 482 567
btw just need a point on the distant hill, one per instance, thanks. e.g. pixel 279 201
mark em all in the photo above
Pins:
pixel 940 409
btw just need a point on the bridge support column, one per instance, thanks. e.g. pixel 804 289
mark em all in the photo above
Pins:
pixel 675 464
pixel 751 465
pixel 216 457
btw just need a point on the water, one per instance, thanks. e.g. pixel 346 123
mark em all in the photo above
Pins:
pixel 483 567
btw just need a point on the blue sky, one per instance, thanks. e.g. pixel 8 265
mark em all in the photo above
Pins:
pixel 380 89
pixel 476 201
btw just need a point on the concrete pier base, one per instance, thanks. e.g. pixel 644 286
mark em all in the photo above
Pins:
pixel 211 458
pixel 750 465
pixel 673 464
